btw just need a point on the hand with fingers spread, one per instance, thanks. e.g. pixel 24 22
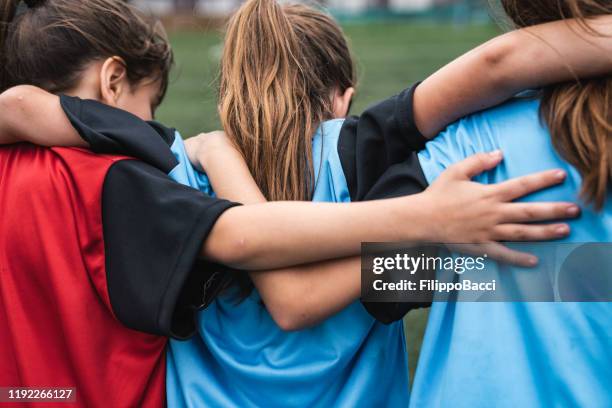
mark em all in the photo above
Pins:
pixel 469 212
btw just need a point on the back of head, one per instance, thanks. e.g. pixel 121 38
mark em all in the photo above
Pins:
pixel 279 70
pixel 48 43
pixel 578 114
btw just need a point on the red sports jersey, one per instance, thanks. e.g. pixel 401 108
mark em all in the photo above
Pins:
pixel 57 325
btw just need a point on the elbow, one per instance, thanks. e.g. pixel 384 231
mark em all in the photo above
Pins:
pixel 9 99
pixel 17 97
pixel 16 104
pixel 287 322
pixel 496 57
pixel 292 309
pixel 290 318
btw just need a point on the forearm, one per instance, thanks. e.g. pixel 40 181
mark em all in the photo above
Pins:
pixel 295 232
pixel 280 234
pixel 557 52
pixel 499 69
pixel 30 114
pixel 305 295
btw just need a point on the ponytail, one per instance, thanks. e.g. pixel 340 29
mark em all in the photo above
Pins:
pixel 268 111
pixel 279 67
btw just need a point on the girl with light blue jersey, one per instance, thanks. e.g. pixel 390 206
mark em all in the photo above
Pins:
pixel 535 354
pixel 521 354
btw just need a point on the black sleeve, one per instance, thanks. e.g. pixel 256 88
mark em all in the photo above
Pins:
pixel 154 229
pixel 401 179
pixel 114 131
pixel 384 135
pixel 378 152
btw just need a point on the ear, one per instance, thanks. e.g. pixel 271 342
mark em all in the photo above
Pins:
pixel 113 80
pixel 342 102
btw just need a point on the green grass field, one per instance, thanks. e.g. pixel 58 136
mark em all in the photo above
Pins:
pixel 390 57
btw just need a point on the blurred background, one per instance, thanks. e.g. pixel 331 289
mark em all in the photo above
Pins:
pixel 395 43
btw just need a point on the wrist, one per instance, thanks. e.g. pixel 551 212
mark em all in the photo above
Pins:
pixel 427 218
pixel 414 219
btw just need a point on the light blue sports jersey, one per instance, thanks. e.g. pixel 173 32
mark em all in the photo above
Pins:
pixel 516 354
pixel 240 357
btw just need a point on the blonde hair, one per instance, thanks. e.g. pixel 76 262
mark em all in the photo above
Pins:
pixel 279 69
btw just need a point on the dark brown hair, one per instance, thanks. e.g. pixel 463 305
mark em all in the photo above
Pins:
pixel 280 67
pixel 48 43
pixel 578 114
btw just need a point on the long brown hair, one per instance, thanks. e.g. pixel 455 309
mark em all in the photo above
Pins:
pixel 280 67
pixel 48 43
pixel 578 114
